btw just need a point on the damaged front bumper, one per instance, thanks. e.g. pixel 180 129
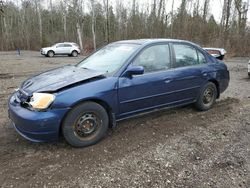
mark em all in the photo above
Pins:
pixel 34 125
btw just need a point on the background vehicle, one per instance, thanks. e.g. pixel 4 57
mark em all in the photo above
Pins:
pixel 218 53
pixel 119 81
pixel 66 48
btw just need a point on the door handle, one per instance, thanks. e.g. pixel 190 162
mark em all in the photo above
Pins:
pixel 168 80
pixel 204 74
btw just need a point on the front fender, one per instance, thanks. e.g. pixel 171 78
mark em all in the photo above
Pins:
pixel 101 90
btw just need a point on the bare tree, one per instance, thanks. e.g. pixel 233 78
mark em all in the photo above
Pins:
pixel 93 22
pixel 242 9
pixel 38 10
pixel 29 25
pixel 64 7
pixel 172 19
pixel 106 7
pixel 78 7
pixel 1 7
pixel 205 9
pixel 226 14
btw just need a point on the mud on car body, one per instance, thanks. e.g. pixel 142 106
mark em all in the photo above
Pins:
pixel 118 81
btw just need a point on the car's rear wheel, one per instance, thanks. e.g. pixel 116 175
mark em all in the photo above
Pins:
pixel 74 53
pixel 85 124
pixel 50 53
pixel 207 97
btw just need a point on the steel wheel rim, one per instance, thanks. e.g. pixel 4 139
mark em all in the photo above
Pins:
pixel 87 125
pixel 208 96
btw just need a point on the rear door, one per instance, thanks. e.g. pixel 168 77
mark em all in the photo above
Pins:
pixel 189 72
pixel 59 49
pixel 67 49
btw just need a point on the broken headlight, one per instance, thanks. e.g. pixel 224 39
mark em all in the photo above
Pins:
pixel 41 101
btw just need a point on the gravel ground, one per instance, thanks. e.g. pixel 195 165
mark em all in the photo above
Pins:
pixel 169 148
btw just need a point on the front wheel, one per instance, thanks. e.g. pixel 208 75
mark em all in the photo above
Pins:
pixel 207 97
pixel 85 125
pixel 50 53
pixel 74 53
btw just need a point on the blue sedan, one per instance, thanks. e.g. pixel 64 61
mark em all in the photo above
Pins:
pixel 118 81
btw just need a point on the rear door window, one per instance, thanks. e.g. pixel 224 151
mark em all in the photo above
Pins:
pixel 185 55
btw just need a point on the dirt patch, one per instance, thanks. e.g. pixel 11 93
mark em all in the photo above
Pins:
pixel 170 148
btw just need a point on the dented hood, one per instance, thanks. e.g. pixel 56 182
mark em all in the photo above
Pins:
pixel 59 78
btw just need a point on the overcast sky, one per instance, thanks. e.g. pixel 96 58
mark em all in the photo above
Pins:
pixel 215 5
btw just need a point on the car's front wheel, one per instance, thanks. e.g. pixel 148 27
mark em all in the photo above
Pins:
pixel 207 97
pixel 50 53
pixel 85 124
pixel 74 53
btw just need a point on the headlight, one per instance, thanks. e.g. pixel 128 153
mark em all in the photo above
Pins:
pixel 41 101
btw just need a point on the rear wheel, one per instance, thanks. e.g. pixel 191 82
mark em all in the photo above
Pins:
pixel 85 125
pixel 74 53
pixel 207 97
pixel 50 53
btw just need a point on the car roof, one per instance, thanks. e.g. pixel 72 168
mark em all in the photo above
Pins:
pixel 66 43
pixel 149 41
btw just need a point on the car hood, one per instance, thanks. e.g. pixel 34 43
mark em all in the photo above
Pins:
pixel 59 78
pixel 46 48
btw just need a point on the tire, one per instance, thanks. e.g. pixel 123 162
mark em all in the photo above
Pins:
pixel 50 53
pixel 207 97
pixel 85 125
pixel 74 54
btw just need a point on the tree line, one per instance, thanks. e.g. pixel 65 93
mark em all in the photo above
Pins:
pixel 26 24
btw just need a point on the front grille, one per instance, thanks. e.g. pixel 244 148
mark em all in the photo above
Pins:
pixel 22 96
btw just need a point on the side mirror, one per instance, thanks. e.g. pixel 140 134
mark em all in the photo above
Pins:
pixel 134 70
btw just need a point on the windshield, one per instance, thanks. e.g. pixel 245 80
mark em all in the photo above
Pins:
pixel 110 58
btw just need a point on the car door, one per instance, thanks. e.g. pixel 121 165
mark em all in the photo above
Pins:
pixel 59 49
pixel 188 73
pixel 149 90
pixel 67 49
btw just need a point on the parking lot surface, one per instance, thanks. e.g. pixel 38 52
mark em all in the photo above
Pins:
pixel 169 148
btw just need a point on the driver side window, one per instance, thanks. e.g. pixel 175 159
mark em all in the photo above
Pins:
pixel 154 58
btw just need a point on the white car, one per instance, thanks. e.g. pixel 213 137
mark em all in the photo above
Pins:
pixel 66 48
pixel 218 53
